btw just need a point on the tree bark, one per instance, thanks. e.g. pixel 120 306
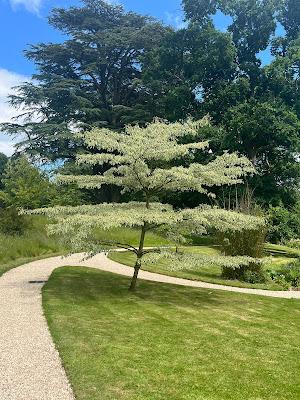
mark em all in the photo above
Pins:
pixel 137 266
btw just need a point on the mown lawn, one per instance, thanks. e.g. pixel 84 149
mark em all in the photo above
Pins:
pixel 171 343
pixel 210 273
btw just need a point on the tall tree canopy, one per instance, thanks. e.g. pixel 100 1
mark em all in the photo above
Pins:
pixel 258 108
pixel 253 23
pixel 3 162
pixel 91 79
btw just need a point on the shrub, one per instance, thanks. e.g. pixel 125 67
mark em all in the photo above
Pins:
pixel 284 224
pixel 245 243
pixel 279 279
pixel 291 273
pixel 294 243
pixel 11 223
pixel 252 273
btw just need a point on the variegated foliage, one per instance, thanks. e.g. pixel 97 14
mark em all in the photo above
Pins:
pixel 151 160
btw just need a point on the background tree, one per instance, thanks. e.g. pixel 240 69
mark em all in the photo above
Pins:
pixel 268 134
pixel 186 65
pixel 91 79
pixel 257 110
pixel 26 186
pixel 284 224
pixel 253 24
pixel 3 162
pixel 139 162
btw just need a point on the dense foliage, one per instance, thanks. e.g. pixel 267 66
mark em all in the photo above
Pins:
pixel 284 224
pixel 24 185
pixel 288 276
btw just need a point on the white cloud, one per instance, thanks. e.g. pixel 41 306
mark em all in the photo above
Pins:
pixel 6 147
pixel 175 19
pixel 30 5
pixel 8 80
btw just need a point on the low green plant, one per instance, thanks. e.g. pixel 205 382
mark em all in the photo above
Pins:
pixel 294 243
pixel 288 276
pixel 251 273
pixel 279 278
pixel 291 273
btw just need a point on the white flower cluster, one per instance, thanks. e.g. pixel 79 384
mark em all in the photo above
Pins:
pixel 139 159
pixel 222 220
pixel 178 262
pixel 80 221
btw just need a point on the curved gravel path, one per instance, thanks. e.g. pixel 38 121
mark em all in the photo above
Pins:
pixel 30 366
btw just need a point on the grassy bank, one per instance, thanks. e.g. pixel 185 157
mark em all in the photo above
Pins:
pixel 34 243
pixel 170 342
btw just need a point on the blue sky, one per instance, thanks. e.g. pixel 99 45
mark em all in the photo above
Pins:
pixel 24 22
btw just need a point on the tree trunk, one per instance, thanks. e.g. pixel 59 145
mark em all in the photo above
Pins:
pixel 135 275
pixel 137 266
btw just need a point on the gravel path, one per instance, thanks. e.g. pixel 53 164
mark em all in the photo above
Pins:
pixel 30 366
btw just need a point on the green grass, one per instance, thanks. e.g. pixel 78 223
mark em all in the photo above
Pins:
pixel 211 274
pixel 171 343
pixel 279 250
pixel 131 236
pixel 33 244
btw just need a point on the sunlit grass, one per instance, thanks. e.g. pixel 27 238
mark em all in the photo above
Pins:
pixel 171 343
pixel 130 236
pixel 280 250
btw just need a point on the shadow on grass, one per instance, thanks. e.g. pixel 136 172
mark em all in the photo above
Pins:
pixel 79 285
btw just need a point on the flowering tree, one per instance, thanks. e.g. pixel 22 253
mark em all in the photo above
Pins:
pixel 141 160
